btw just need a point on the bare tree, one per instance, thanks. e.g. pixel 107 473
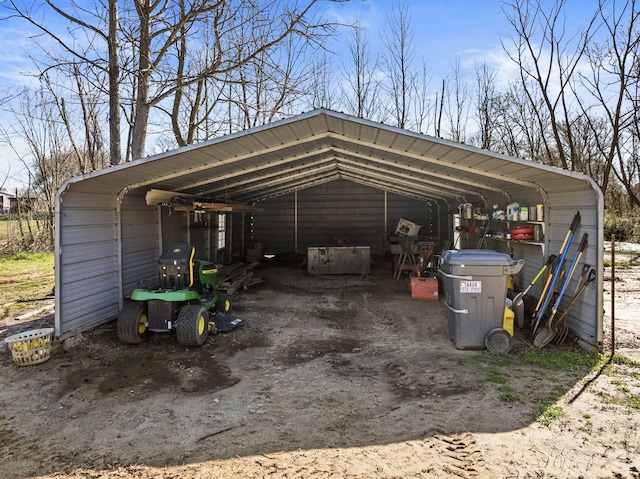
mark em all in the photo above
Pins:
pixel 547 57
pixel 268 85
pixel 513 131
pixel 87 148
pixel 162 25
pixel 437 121
pixel 456 105
pixel 115 145
pixel 85 49
pixel 147 34
pixel 613 83
pixel 52 157
pixel 486 103
pixel 361 89
pixel 398 62
pixel 421 118
pixel 320 85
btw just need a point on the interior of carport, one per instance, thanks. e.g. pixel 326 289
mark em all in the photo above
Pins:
pixel 318 179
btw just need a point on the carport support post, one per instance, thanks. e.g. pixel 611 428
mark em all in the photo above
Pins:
pixel 295 221
pixel 160 228
pixel 613 295
pixel 188 239
pixel 386 220
pixel 118 248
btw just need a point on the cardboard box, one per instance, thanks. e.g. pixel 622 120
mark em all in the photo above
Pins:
pixel 424 288
pixel 407 228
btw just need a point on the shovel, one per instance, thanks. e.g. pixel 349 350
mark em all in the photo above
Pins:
pixel 545 335
pixel 562 322
pixel 518 300
pixel 552 269
pixel 553 278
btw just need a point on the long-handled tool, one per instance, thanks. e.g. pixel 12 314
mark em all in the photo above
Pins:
pixel 546 334
pixel 554 277
pixel 563 330
pixel 583 277
pixel 581 247
pixel 518 300
pixel 552 268
pixel 484 235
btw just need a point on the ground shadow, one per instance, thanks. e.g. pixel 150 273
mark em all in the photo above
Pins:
pixel 320 362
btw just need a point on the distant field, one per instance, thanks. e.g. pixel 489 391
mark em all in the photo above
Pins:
pixel 26 282
pixel 11 228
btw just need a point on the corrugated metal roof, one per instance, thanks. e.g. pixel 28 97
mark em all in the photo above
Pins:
pixel 322 146
pixel 294 154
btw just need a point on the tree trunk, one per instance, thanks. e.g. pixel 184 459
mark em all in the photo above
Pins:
pixel 114 85
pixel 141 119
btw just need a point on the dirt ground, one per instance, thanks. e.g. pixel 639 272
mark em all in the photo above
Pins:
pixel 329 377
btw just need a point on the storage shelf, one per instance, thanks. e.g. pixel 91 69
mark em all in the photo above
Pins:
pixel 509 225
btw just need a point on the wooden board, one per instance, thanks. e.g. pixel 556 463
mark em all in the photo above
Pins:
pixel 186 202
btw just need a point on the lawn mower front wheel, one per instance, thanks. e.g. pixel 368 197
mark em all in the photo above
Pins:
pixel 192 326
pixel 132 323
pixel 223 305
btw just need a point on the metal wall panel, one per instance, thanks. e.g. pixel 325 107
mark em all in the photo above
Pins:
pixel 238 238
pixel 275 226
pixel 339 260
pixel 173 227
pixel 87 266
pixel 200 229
pixel 341 213
pixel 425 214
pixel 559 213
pixel 140 243
pixel 299 154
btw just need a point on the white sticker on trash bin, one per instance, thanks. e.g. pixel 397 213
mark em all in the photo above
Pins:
pixel 471 286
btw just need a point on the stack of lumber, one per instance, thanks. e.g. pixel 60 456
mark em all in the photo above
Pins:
pixel 234 276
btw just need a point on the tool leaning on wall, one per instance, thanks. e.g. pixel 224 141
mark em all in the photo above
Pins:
pixel 546 334
pixel 555 289
pixel 555 273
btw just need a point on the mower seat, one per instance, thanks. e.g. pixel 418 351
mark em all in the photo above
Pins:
pixel 176 267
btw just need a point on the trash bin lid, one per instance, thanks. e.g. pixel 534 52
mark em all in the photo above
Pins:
pixel 476 257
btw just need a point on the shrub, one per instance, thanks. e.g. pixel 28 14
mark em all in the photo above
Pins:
pixel 626 228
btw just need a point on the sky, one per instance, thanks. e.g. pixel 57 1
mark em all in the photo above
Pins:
pixel 442 29
pixel 445 32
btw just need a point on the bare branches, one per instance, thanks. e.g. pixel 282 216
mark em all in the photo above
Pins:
pixel 398 61
pixel 612 82
pixel 198 68
pixel 360 92
pixel 541 48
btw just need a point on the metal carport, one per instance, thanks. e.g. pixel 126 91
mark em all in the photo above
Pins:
pixel 108 237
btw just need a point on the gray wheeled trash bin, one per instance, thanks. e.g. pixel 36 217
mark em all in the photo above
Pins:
pixel 475 287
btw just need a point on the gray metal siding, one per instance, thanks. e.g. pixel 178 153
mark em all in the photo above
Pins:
pixel 140 243
pixel 174 225
pixel 559 213
pixel 341 211
pixel 298 154
pixel 560 216
pixel 237 238
pixel 87 266
pixel 419 212
pixel 275 226
pixel 201 228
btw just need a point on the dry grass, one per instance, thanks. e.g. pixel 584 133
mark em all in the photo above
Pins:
pixel 26 282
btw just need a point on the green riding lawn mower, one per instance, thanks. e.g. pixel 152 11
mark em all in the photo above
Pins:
pixel 187 300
